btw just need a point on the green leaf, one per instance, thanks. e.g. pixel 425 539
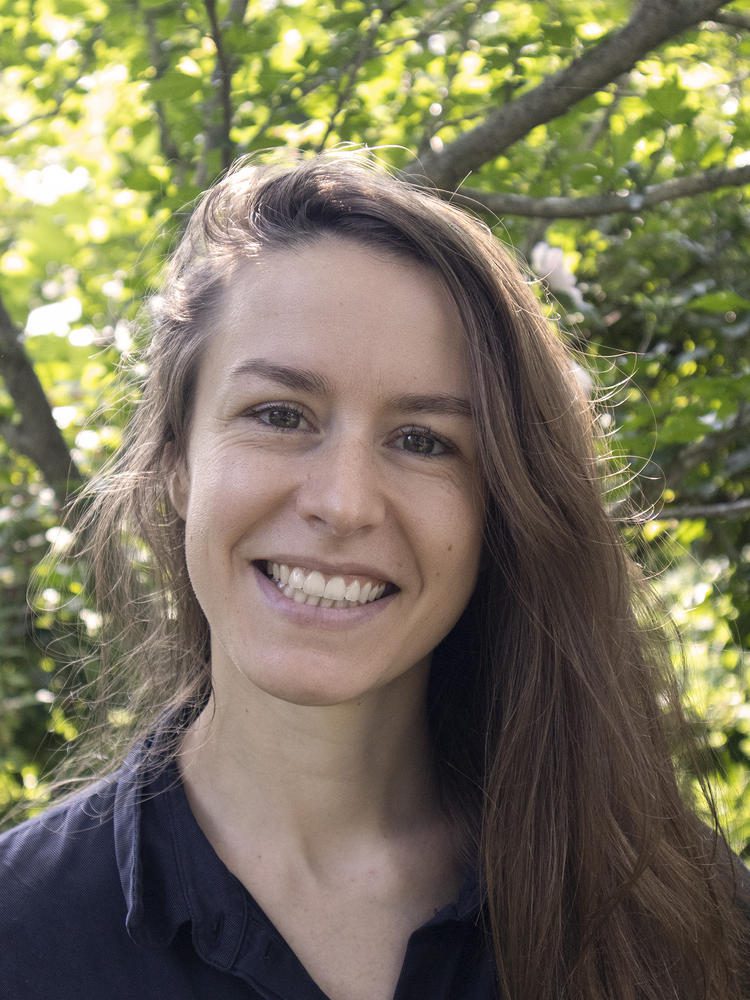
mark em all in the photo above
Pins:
pixel 667 100
pixel 720 302
pixel 174 86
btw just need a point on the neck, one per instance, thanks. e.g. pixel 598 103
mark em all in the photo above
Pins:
pixel 260 769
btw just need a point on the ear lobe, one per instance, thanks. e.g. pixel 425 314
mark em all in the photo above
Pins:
pixel 178 483
pixel 178 490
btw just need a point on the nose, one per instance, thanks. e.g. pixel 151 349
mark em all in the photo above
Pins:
pixel 342 490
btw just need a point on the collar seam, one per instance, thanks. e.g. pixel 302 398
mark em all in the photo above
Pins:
pixel 185 883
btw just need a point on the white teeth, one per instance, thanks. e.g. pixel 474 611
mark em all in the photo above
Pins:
pixel 315 584
pixel 311 587
pixel 335 589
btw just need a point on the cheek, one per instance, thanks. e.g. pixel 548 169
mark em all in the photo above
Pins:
pixel 225 487
pixel 459 526
pixel 454 543
pixel 212 517
pixel 459 572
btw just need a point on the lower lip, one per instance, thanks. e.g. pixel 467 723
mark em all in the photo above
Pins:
pixel 312 615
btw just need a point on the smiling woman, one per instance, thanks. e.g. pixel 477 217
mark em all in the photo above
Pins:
pixel 402 721
pixel 333 478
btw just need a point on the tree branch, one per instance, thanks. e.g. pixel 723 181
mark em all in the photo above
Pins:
pixel 219 136
pixel 732 19
pixel 731 510
pixel 605 204
pixel 8 130
pixel 364 52
pixel 652 23
pixel 160 62
pixel 36 435
pixel 237 10
pixel 453 62
pixel 429 26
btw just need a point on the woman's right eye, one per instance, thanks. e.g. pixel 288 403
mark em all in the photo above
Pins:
pixel 282 416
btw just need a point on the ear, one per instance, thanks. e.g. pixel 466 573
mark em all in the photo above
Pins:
pixel 178 480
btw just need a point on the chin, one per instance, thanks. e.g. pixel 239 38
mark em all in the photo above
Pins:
pixel 314 685
pixel 314 694
pixel 315 678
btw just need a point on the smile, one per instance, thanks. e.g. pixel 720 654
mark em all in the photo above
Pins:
pixel 304 586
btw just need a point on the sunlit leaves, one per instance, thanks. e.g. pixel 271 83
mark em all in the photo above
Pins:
pixel 112 121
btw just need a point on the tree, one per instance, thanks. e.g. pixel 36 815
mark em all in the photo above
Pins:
pixel 608 142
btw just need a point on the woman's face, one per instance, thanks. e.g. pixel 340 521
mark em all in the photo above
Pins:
pixel 333 519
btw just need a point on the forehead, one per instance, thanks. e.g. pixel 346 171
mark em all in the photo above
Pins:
pixel 356 313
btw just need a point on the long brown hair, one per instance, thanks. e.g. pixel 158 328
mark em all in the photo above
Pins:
pixel 554 711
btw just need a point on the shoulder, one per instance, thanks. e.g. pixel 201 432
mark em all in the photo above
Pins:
pixel 64 847
pixel 61 893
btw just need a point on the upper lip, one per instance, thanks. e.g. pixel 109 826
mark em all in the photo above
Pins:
pixel 330 569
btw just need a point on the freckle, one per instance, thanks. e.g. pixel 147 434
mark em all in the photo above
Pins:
pixel 450 547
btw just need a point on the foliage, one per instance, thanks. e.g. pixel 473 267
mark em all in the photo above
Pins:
pixel 114 114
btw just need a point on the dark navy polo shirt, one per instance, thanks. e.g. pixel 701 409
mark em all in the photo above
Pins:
pixel 117 895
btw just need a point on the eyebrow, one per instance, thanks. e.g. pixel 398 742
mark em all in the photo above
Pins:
pixel 299 379
pixel 441 402
pixel 305 380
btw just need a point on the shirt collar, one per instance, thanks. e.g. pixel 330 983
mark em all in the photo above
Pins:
pixel 152 918
pixel 171 876
pixel 169 873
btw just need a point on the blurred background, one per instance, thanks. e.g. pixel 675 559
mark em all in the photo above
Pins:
pixel 607 142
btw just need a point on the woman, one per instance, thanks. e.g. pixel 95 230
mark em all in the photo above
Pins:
pixel 401 725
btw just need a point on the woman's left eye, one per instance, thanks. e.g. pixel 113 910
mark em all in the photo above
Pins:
pixel 421 441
